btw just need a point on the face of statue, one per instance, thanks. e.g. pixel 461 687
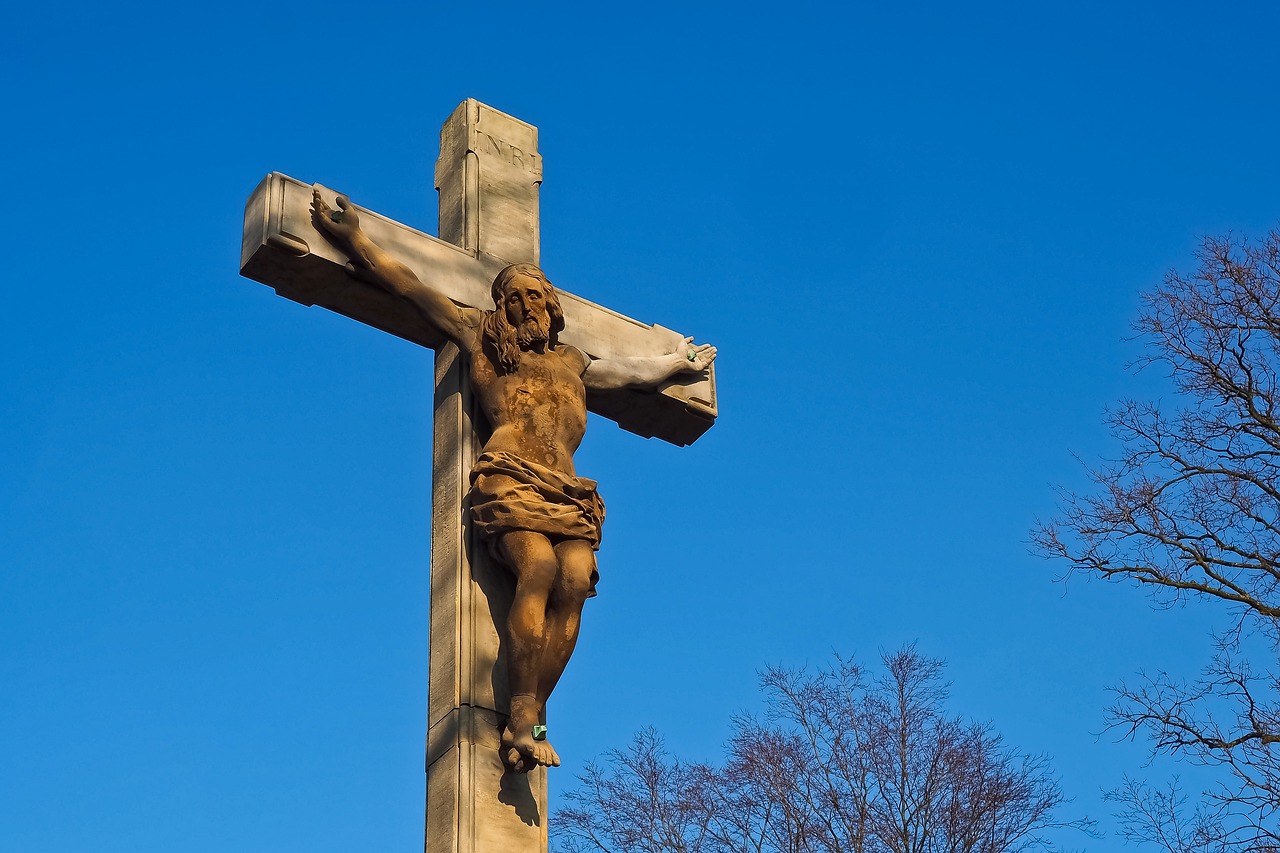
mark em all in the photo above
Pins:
pixel 525 302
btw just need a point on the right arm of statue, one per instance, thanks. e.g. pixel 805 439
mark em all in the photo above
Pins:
pixel 608 374
pixel 341 227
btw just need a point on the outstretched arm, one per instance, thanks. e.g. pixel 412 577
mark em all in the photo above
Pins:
pixel 607 374
pixel 341 227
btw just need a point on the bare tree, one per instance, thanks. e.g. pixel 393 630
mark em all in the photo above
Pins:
pixel 840 763
pixel 1191 511
pixel 1159 816
pixel 655 803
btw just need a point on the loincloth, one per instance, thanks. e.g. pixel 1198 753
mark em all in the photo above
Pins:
pixel 510 493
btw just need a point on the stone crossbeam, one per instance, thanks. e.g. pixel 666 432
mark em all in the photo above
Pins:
pixel 280 248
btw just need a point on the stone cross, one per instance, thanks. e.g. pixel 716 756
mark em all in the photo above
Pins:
pixel 488 177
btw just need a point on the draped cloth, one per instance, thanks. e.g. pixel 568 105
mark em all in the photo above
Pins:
pixel 510 493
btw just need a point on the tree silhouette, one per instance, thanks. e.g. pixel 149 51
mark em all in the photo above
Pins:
pixel 1191 512
pixel 841 762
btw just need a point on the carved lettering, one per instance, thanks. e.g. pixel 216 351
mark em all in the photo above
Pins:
pixel 511 154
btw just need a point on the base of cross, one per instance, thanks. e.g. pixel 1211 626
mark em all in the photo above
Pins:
pixel 474 803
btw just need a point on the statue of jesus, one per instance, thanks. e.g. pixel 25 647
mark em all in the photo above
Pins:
pixel 539 518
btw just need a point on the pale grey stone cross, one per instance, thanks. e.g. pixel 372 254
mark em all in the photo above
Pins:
pixel 488 176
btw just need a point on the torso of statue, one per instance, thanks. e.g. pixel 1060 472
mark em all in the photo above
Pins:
pixel 539 411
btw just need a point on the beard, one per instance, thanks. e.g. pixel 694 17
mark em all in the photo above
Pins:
pixel 534 332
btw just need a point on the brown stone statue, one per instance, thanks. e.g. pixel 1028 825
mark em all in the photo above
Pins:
pixel 538 517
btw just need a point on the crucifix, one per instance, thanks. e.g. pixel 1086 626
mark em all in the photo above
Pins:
pixel 518 363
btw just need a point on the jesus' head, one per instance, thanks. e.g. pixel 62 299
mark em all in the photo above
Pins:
pixel 526 315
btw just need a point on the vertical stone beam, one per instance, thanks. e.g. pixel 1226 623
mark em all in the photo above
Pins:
pixel 487 176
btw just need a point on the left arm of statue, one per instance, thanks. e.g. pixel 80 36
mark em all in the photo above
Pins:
pixel 607 374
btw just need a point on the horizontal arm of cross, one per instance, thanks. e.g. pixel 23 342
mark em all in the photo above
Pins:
pixel 282 249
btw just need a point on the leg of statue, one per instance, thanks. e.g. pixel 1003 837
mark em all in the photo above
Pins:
pixel 576 561
pixel 534 563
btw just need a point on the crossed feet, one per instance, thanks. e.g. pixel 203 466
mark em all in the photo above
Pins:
pixel 520 751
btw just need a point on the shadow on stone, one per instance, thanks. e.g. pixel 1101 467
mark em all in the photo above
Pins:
pixel 499 589
pixel 516 792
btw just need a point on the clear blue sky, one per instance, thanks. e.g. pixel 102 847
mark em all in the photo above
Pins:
pixel 916 232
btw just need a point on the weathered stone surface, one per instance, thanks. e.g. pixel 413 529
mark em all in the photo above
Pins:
pixel 473 804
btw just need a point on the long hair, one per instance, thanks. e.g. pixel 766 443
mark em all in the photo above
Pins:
pixel 498 336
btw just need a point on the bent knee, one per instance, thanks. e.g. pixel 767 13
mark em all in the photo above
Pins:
pixel 575 588
pixel 577 565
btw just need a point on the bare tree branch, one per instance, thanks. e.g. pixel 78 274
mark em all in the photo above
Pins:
pixel 1191 512
pixel 839 763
